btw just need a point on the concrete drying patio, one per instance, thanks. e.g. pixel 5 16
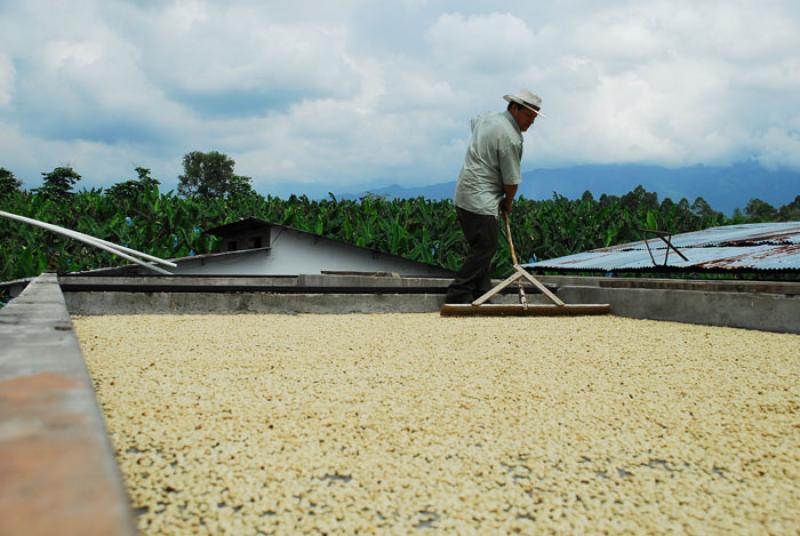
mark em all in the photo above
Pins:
pixel 390 423
pixel 739 387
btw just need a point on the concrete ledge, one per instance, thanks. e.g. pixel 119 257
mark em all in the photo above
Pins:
pixel 82 282
pixel 724 285
pixel 766 312
pixel 57 469
pixel 176 281
pixel 256 283
pixel 14 288
pixel 311 284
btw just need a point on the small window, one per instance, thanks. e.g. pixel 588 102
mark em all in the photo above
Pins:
pixel 255 242
pixel 232 245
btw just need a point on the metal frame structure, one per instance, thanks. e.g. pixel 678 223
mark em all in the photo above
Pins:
pixel 115 249
pixel 665 237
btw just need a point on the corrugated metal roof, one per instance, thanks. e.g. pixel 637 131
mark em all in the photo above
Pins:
pixel 730 235
pixel 758 246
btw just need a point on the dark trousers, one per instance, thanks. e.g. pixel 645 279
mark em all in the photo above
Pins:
pixel 473 279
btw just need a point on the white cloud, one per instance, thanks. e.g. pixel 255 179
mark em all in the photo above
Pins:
pixel 669 83
pixel 487 44
pixel 352 92
pixel 7 80
pixel 100 164
pixel 780 148
pixel 209 49
pixel 620 36
pixel 61 54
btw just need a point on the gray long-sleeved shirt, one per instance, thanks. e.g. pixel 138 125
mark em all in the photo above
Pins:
pixel 492 160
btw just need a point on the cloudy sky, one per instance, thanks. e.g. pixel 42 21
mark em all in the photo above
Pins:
pixel 309 95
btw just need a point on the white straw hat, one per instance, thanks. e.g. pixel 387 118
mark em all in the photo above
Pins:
pixel 526 98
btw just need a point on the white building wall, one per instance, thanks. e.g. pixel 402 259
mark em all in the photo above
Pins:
pixel 294 253
pixel 250 262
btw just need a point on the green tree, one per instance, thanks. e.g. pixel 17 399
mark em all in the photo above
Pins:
pixel 143 177
pixel 240 187
pixel 760 211
pixel 707 215
pixel 211 174
pixel 59 182
pixel 790 211
pixel 132 188
pixel 640 200
pixel 738 217
pixel 8 182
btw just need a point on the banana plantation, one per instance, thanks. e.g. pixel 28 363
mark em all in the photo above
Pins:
pixel 169 225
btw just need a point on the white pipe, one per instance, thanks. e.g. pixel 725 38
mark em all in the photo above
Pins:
pixel 129 250
pixel 58 228
pixel 92 241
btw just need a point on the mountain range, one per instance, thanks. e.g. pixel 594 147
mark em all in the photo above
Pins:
pixel 724 188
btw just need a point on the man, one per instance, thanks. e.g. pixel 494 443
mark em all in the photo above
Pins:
pixel 487 184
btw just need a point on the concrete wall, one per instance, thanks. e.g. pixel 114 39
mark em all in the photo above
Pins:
pixel 766 312
pixel 14 288
pixel 763 306
pixel 109 303
pixel 57 469
pixel 306 293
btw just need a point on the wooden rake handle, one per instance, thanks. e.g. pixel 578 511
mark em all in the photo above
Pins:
pixel 508 236
pixel 522 298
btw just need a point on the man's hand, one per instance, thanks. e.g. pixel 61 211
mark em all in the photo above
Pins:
pixel 510 191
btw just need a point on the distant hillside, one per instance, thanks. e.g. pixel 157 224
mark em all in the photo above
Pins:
pixel 725 188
